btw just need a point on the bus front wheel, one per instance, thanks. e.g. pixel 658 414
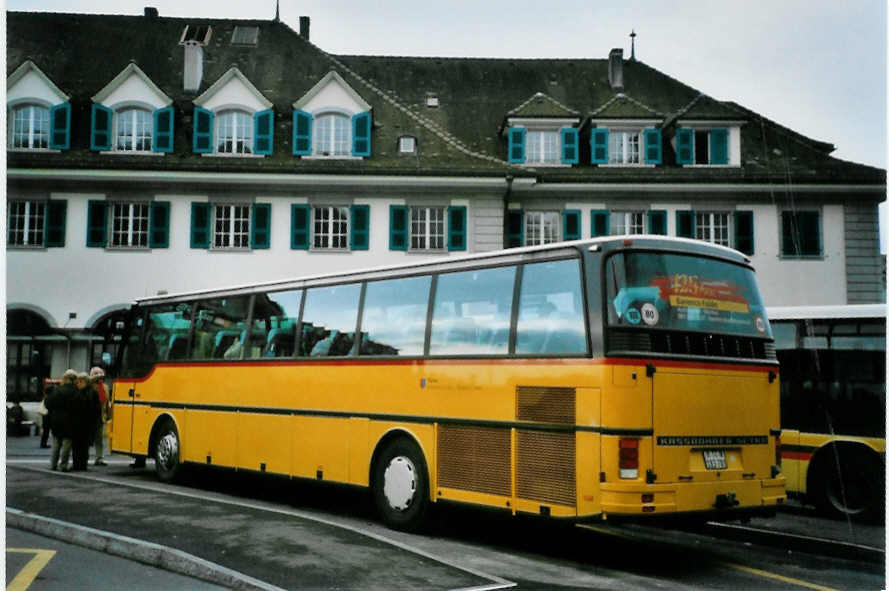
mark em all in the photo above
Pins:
pixel 849 484
pixel 400 485
pixel 166 453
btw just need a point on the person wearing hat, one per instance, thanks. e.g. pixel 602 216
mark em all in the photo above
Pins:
pixel 97 377
pixel 60 403
pixel 86 414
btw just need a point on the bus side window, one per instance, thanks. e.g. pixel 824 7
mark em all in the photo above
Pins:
pixel 551 318
pixel 394 316
pixel 329 321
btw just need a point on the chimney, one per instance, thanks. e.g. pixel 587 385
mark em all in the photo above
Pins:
pixel 194 66
pixel 304 27
pixel 616 69
pixel 150 12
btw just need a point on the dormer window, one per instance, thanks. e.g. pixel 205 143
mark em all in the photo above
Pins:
pixel 623 147
pixel 30 127
pixel 542 147
pixel 542 142
pixel 234 133
pixel 625 143
pixel 332 121
pixel 333 135
pixel 134 130
pixel 697 145
pixel 38 113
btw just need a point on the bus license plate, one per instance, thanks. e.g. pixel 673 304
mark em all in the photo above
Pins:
pixel 714 459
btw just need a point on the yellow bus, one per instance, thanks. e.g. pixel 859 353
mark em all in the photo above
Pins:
pixel 833 406
pixel 612 377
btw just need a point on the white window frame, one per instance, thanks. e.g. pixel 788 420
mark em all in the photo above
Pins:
pixel 237 125
pixel 714 227
pixel 330 140
pixel 627 222
pixel 34 132
pixel 330 227
pixel 427 229
pixel 543 146
pixel 138 130
pixel 407 144
pixel 231 226
pixel 542 227
pixel 32 232
pixel 128 224
pixel 625 147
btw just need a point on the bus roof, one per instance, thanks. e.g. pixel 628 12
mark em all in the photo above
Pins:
pixel 451 263
pixel 826 312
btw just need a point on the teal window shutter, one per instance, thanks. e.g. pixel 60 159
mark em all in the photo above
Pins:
pixel 657 222
pixel 718 146
pixel 516 137
pixel 515 228
pixel 685 146
pixel 163 130
pixel 361 134
pixel 299 226
pixel 457 227
pixel 599 222
pixel 56 214
pixel 744 231
pixel 263 132
pixel 260 225
pixel 302 133
pixel 100 130
pixel 652 146
pixel 60 126
pixel 96 225
pixel 398 227
pixel 360 222
pixel 685 224
pixel 200 225
pixel 599 145
pixel 569 146
pixel 159 224
pixel 571 224
pixel 203 133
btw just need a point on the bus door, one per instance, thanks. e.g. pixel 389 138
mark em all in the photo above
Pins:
pixel 711 425
pixel 123 390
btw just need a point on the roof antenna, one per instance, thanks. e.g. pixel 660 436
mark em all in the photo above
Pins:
pixel 633 45
pixel 277 11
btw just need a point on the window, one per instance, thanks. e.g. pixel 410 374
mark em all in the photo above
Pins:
pixel 134 130
pixel 220 328
pixel 329 321
pixel 541 227
pixel 129 225
pixel 712 227
pixel 623 147
pixel 330 227
pixel 30 127
pixel 234 132
pixel 407 144
pixel 542 147
pixel 275 316
pixel 332 135
pixel 551 316
pixel 231 226
pixel 702 146
pixel 627 222
pixel 27 220
pixel 427 228
pixel 393 321
pixel 800 233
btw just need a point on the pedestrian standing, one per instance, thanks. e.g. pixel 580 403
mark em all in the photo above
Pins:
pixel 60 404
pixel 97 377
pixel 86 415
pixel 44 416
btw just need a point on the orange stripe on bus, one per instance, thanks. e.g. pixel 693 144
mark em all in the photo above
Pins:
pixel 796 455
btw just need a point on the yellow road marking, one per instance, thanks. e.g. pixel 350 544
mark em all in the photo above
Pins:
pixel 27 575
pixel 740 567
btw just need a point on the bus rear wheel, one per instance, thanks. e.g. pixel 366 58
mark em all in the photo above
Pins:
pixel 400 485
pixel 852 491
pixel 166 453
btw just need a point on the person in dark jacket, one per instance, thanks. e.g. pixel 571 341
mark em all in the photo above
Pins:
pixel 87 413
pixel 59 403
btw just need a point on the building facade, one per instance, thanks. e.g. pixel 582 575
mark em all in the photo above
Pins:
pixel 149 154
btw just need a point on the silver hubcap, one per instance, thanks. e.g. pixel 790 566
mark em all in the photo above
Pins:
pixel 168 451
pixel 400 483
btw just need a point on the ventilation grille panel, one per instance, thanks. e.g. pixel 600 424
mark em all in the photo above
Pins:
pixel 545 467
pixel 546 405
pixel 474 458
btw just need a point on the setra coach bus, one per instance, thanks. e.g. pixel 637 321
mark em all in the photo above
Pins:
pixel 604 378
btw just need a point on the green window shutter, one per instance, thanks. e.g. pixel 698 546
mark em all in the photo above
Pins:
pixel 361 126
pixel 359 238
pixel 200 225
pixel 744 231
pixel 569 145
pixel 56 214
pixel 657 222
pixel 398 227
pixel 599 222
pixel 203 132
pixel 652 138
pixel 260 225
pixel 302 133
pixel 159 224
pixel 263 132
pixel 457 227
pixel 299 226
pixel 685 146
pixel 163 130
pixel 599 145
pixel 60 126
pixel 571 224
pixel 515 228
pixel 100 130
pixel 96 225
pixel 685 224
pixel 516 137
pixel 718 146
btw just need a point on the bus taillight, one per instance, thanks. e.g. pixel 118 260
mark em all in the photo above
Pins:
pixel 629 458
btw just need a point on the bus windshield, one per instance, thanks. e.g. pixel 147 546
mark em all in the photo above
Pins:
pixel 686 293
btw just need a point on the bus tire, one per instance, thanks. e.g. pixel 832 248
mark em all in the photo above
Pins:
pixel 166 452
pixel 400 485
pixel 854 492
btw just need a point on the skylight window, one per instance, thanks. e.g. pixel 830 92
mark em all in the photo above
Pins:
pixel 245 35
pixel 198 33
pixel 432 100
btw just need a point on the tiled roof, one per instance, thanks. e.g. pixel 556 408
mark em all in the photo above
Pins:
pixel 81 54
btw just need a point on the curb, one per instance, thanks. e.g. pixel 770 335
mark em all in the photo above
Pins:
pixel 148 553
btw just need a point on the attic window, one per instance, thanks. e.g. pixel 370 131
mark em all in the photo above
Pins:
pixel 407 144
pixel 198 33
pixel 431 100
pixel 245 35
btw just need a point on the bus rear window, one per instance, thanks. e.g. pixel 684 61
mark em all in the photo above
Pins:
pixel 683 293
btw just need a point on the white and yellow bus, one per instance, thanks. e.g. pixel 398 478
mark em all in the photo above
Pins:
pixel 833 405
pixel 613 377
